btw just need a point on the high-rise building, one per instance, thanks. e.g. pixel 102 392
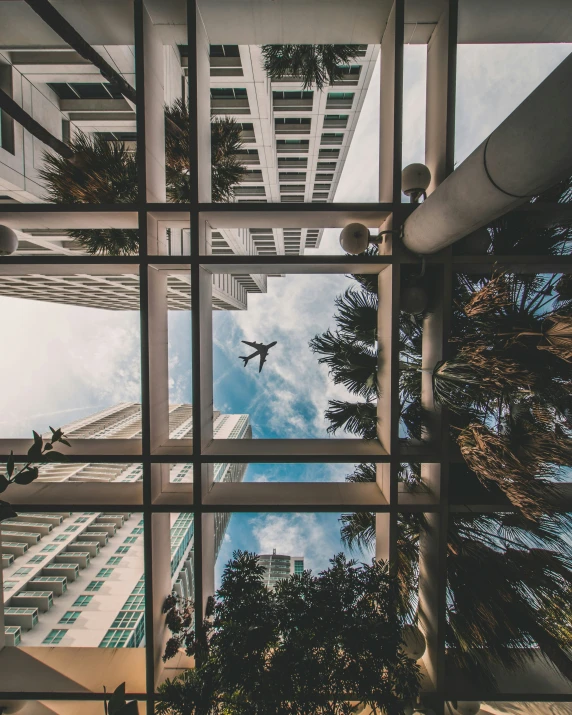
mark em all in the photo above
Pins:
pixel 295 143
pixel 280 566
pixel 77 579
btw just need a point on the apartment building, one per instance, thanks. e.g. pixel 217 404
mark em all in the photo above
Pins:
pixel 77 579
pixel 280 566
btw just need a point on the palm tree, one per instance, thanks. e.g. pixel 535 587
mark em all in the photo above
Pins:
pixel 101 172
pixel 225 144
pixel 312 64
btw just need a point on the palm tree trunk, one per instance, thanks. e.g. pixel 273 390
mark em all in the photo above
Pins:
pixel 61 26
pixel 8 105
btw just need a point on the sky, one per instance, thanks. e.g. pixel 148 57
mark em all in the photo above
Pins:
pixel 60 363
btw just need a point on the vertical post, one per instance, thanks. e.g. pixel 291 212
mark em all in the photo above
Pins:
pixel 441 84
pixel 158 357
pixel 161 554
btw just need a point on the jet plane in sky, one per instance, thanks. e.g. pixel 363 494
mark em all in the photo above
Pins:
pixel 261 350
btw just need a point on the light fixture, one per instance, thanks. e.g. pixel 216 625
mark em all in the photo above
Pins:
pixel 468 707
pixel 355 238
pixel 413 642
pixel 8 241
pixel 415 180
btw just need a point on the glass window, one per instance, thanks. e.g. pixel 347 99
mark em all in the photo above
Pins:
pixel 94 585
pixel 36 559
pixel 82 601
pixel 70 617
pixel 122 549
pixel 114 561
pixel 55 636
pixel 23 571
pixel 71 528
pixel 104 573
pixel 130 540
pixel 50 547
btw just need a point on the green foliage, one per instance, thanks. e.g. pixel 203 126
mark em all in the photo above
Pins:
pixel 312 64
pixel 100 172
pixel 39 451
pixel 225 143
pixel 117 704
pixel 179 614
pixel 311 645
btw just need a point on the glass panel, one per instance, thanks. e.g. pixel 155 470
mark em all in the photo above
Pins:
pixel 299 472
pixel 414 100
pixel 88 590
pixel 305 372
pixel 77 360
pixel 492 80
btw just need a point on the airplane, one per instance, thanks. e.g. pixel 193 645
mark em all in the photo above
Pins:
pixel 261 350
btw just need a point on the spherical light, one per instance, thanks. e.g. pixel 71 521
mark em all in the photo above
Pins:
pixel 8 241
pixel 468 707
pixel 415 180
pixel 414 643
pixel 414 299
pixel 354 238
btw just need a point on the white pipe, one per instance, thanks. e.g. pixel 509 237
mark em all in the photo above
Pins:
pixel 529 152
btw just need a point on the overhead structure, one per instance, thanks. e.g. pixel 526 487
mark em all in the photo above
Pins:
pixel 529 152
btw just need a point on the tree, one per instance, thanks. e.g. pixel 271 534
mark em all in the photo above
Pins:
pixel 315 644
pixel 225 144
pixel 100 172
pixel 312 64
pixel 507 386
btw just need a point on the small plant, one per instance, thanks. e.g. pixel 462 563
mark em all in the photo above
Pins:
pixel 40 451
pixel 179 619
pixel 117 704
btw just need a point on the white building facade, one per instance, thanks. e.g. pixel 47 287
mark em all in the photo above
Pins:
pixel 280 566
pixel 77 579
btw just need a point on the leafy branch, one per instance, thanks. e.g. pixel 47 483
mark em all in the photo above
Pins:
pixel 117 704
pixel 180 621
pixel 40 451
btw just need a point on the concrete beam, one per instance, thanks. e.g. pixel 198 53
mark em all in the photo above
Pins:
pixel 529 152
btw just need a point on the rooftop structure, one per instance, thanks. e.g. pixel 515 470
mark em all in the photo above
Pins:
pixel 48 678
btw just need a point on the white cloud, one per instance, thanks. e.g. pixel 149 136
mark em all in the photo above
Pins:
pixel 64 362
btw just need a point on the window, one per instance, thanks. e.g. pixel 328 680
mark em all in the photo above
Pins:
pixel 94 585
pixel 340 95
pixel 9 585
pixel 71 528
pixel 70 617
pixel 55 636
pixel 336 117
pixel 135 603
pixel 224 51
pixel 126 619
pixel 36 559
pixel 84 90
pixel 114 561
pixel 304 94
pixel 228 93
pixel 292 120
pixel 122 549
pixel 137 530
pixel 50 547
pixel 104 573
pixel 82 601
pixel 130 540
pixel 298 566
pixel 23 571
pixel 81 520
pixel 61 537
pixel 116 639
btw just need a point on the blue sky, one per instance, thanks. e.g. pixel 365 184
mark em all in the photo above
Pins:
pixel 60 363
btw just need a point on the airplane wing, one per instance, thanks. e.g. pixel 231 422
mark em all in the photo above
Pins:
pixel 256 346
pixel 262 361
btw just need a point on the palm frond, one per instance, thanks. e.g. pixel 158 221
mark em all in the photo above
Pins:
pixel 357 315
pixel 359 418
pixel 493 296
pixel 492 458
pixel 312 64
pixel 557 333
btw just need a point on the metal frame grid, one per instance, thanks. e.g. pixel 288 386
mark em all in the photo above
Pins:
pixel 156 498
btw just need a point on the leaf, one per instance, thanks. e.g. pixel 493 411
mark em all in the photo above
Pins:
pixel 56 434
pixel 10 464
pixel 48 446
pixel 35 451
pixel 128 709
pixel 53 456
pixel 6 511
pixel 4 483
pixel 27 476
pixel 64 441
pixel 117 700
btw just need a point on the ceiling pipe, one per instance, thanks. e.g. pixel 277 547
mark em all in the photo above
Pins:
pixel 528 153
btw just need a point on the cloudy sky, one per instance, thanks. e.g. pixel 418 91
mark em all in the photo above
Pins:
pixel 60 363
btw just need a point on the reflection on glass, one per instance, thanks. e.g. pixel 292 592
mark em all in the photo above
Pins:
pixel 74 579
